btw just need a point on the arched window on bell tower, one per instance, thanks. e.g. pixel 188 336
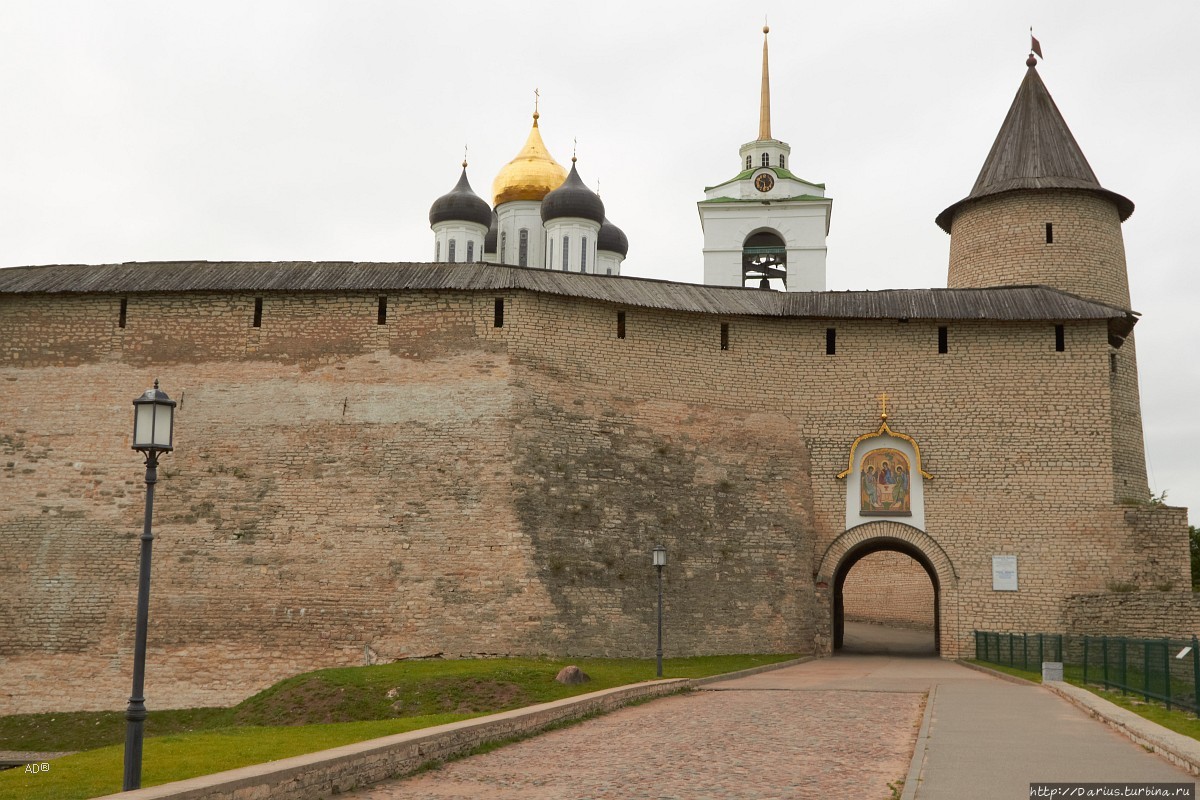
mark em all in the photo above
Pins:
pixel 764 261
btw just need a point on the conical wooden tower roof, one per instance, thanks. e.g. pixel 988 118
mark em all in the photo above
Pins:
pixel 1034 150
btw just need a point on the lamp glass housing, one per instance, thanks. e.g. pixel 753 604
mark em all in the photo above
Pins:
pixel 153 421
pixel 660 556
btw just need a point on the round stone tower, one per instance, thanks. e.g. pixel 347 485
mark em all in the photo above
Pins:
pixel 1037 215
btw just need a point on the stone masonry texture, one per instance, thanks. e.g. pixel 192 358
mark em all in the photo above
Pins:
pixel 344 492
pixel 889 588
pixel 1001 240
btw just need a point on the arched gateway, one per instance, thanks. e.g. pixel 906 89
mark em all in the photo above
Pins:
pixel 848 549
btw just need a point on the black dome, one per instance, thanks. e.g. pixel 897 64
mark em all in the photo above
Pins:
pixel 489 239
pixel 612 239
pixel 461 205
pixel 573 199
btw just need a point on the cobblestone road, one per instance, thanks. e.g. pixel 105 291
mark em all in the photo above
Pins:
pixel 777 741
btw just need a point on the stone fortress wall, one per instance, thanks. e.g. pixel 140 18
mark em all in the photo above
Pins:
pixel 344 491
pixel 890 588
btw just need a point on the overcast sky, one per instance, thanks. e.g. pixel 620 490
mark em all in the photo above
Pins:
pixel 303 130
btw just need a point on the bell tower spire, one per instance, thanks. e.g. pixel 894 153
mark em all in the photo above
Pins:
pixel 764 106
pixel 766 226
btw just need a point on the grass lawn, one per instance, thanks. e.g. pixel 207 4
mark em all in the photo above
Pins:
pixel 309 712
pixel 174 757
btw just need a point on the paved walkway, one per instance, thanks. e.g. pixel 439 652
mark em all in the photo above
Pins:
pixel 869 638
pixel 996 737
pixel 843 727
pixel 766 742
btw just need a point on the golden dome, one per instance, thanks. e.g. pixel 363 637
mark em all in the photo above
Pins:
pixel 531 175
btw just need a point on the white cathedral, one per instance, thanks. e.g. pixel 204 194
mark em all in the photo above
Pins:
pixel 765 227
pixel 543 217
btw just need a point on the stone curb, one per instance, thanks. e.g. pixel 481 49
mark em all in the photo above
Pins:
pixel 1182 751
pixel 917 765
pixel 359 765
pixel 745 673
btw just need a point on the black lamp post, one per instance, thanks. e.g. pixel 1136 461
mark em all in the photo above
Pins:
pixel 660 561
pixel 153 423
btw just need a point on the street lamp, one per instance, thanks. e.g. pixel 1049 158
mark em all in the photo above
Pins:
pixel 153 425
pixel 660 561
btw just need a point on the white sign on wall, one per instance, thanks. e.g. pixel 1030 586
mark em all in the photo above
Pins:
pixel 1004 573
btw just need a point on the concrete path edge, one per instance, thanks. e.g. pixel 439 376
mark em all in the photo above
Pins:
pixel 1182 751
pixel 355 766
pixel 917 765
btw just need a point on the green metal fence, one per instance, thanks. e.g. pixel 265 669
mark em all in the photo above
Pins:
pixel 1024 650
pixel 1166 670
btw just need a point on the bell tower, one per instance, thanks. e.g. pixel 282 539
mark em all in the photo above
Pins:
pixel 765 227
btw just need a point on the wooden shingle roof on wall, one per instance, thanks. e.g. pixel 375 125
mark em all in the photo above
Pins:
pixel 1012 303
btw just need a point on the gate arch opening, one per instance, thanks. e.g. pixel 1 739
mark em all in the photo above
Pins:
pixel 856 543
pixel 862 551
